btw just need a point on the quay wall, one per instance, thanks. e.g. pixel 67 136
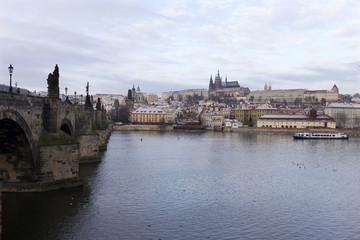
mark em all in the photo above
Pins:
pixel 142 128
pixel 291 131
pixel 288 131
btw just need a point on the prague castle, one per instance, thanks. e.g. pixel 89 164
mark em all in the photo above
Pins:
pixel 228 91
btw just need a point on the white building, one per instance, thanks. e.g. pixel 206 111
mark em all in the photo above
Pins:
pixel 346 115
pixel 172 113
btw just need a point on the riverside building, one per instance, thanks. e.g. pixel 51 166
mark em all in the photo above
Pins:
pixel 149 116
pixel 311 120
pixel 249 116
pixel 346 115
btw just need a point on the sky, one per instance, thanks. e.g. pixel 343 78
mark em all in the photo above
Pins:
pixel 165 45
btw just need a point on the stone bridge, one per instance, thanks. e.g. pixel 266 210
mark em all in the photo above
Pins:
pixel 42 139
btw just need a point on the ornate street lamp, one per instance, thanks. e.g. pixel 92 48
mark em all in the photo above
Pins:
pixel 75 97
pixel 81 99
pixel 10 72
pixel 66 92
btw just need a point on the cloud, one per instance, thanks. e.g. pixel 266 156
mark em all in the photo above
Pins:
pixel 165 45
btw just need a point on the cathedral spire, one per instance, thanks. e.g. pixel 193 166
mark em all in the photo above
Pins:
pixel 211 83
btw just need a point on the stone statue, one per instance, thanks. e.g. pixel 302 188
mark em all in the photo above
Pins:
pixel 98 104
pixel 53 83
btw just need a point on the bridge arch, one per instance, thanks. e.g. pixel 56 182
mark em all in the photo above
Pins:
pixel 67 127
pixel 17 148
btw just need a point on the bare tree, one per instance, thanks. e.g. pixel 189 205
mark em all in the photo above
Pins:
pixel 341 119
pixel 357 122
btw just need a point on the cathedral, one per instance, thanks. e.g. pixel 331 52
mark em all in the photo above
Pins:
pixel 218 84
pixel 228 91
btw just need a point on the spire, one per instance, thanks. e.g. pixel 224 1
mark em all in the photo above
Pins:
pixel 88 103
pixel 226 78
pixel 218 73
pixel 269 86
pixel 87 89
pixel 265 87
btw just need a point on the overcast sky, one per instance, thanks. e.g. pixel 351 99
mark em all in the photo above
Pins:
pixel 165 45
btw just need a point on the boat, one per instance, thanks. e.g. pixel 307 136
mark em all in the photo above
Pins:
pixel 320 135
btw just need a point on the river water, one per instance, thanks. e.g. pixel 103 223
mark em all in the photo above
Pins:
pixel 153 185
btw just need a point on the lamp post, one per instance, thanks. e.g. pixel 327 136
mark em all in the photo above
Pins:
pixel 66 92
pixel 81 99
pixel 10 72
pixel 75 97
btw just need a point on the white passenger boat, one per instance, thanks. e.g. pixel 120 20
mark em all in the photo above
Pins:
pixel 320 135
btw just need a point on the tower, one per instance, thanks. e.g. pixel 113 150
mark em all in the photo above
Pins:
pixel 133 92
pixel 335 89
pixel 211 84
pixel 269 86
pixel 265 87
pixel 218 81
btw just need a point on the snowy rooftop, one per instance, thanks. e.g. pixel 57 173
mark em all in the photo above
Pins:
pixel 266 106
pixel 343 105
pixel 294 117
pixel 149 110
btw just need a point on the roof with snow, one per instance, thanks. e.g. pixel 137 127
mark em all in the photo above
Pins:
pixel 149 111
pixel 343 105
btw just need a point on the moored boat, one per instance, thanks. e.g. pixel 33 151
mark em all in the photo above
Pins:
pixel 320 135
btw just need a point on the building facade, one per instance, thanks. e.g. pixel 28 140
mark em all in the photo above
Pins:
pixel 217 122
pixel 285 96
pixel 346 115
pixel 249 116
pixel 149 116
pixel 296 121
pixel 321 96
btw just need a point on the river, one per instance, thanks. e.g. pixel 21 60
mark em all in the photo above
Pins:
pixel 153 185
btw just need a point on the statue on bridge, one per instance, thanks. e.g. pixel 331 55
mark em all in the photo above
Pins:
pixel 88 103
pixel 53 84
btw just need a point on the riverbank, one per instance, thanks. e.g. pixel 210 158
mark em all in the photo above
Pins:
pixel 287 131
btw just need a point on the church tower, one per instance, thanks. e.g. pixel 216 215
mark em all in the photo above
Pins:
pixel 335 89
pixel 218 81
pixel 265 87
pixel 211 84
pixel 133 92
pixel 269 86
